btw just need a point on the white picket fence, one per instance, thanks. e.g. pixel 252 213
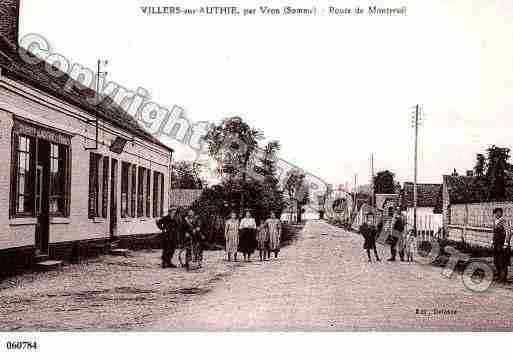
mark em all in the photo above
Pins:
pixel 429 226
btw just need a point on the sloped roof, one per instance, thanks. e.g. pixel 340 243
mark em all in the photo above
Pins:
pixel 183 197
pixel 15 68
pixel 428 195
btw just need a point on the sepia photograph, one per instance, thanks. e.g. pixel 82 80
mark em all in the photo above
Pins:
pixel 262 166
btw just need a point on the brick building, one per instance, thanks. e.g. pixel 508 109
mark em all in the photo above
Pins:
pixel 61 184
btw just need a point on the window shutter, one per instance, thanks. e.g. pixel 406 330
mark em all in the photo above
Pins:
pixel 67 180
pixel 14 175
pixel 105 187
pixel 93 180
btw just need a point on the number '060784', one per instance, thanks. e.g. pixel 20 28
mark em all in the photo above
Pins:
pixel 21 345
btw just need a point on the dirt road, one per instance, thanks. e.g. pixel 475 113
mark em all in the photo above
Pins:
pixel 324 282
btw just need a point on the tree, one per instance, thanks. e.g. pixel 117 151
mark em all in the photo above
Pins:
pixel 298 191
pixel 480 166
pixel 497 165
pixel 384 182
pixel 186 175
pixel 231 144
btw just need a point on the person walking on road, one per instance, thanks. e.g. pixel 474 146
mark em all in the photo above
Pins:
pixel 171 227
pixel 501 245
pixel 274 226
pixel 397 228
pixel 247 241
pixel 231 233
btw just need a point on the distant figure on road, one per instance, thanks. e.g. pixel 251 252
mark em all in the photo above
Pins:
pixel 410 244
pixel 231 234
pixel 171 227
pixel 501 249
pixel 397 232
pixel 369 234
pixel 274 226
pixel 247 241
pixel 263 241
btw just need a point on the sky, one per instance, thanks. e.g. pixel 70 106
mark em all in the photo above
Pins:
pixel 331 89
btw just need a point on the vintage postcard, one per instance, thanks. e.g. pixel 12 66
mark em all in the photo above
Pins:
pixel 255 166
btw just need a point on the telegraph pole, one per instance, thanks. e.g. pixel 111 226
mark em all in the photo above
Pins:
pixel 415 169
pixel 355 190
pixel 372 179
pixel 99 74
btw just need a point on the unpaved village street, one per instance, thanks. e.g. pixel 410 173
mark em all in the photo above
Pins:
pixel 324 282
pixel 321 282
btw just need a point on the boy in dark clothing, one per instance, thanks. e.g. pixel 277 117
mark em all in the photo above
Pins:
pixel 369 233
pixel 171 228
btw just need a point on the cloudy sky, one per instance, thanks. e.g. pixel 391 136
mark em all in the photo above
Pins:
pixel 330 89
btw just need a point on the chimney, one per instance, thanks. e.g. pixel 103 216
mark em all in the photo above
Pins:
pixel 9 21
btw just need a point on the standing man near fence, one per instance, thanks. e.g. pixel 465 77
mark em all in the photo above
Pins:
pixel 397 228
pixel 501 245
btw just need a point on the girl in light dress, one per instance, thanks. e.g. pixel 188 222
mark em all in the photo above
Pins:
pixel 263 241
pixel 410 244
pixel 231 233
pixel 274 228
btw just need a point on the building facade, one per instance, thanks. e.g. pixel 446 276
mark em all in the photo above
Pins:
pixel 72 171
pixel 429 205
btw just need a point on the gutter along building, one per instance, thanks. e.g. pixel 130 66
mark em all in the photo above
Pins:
pixel 61 184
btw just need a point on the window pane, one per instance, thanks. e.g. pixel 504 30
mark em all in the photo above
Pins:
pixel 54 205
pixel 21 204
pixel 22 144
pixel 58 174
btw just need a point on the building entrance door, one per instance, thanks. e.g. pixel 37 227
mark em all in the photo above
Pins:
pixel 42 198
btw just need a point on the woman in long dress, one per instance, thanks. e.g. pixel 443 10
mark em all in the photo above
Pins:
pixel 231 233
pixel 274 228
pixel 247 242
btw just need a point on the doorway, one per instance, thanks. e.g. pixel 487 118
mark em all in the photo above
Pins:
pixel 42 198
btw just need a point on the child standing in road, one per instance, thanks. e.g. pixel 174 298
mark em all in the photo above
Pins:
pixel 263 240
pixel 410 245
pixel 369 234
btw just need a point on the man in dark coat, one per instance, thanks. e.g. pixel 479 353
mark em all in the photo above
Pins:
pixel 398 224
pixel 171 227
pixel 500 243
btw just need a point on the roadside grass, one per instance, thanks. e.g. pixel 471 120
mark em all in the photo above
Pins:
pixel 476 252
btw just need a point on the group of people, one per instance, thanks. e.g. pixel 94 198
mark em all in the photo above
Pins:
pixel 180 227
pixel 404 243
pixel 401 242
pixel 245 236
